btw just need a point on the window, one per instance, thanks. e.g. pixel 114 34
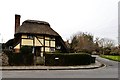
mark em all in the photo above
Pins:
pixel 30 37
pixel 52 43
pixel 58 47
pixel 52 38
pixel 47 43
pixel 52 49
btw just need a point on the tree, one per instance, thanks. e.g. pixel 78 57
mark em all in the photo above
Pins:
pixel 115 51
pixel 105 45
pixel 82 42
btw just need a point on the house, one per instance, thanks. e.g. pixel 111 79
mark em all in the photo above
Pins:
pixel 39 36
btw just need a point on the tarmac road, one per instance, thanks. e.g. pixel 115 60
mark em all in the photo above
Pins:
pixel 109 71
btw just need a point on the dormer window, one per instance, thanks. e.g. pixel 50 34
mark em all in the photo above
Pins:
pixel 30 37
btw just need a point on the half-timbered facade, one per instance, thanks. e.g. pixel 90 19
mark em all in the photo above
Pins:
pixel 40 43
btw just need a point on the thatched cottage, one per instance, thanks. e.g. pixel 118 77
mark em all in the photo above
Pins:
pixel 39 35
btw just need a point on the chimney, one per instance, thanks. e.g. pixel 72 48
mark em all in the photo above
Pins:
pixel 17 21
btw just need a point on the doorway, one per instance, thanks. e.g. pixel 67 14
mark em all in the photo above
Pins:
pixel 38 51
pixel 39 60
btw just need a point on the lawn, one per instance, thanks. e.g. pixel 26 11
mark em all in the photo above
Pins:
pixel 111 57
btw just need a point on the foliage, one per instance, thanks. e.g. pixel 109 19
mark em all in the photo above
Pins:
pixel 26 50
pixel 82 42
pixel 105 42
pixel 70 59
pixel 107 46
pixel 25 57
pixel 107 50
pixel 115 51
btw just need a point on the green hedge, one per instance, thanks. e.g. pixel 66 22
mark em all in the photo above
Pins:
pixel 68 59
pixel 25 57
pixel 17 59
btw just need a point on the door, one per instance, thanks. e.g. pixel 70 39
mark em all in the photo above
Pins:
pixel 38 51
pixel 39 60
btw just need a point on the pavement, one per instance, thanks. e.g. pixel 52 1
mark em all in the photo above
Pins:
pixel 91 66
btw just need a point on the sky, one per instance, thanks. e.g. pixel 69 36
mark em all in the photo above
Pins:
pixel 67 17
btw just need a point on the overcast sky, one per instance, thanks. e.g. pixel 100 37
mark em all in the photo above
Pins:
pixel 98 17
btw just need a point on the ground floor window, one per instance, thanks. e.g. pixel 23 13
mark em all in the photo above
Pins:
pixel 52 49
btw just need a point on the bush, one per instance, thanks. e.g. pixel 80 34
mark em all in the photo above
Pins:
pixel 51 59
pixel 77 59
pixel 25 57
pixel 26 50
pixel 15 59
pixel 70 59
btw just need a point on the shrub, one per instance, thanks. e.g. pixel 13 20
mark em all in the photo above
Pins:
pixel 15 58
pixel 25 57
pixel 51 59
pixel 26 50
pixel 77 59
pixel 68 59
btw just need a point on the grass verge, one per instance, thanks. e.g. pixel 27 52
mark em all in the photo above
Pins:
pixel 111 57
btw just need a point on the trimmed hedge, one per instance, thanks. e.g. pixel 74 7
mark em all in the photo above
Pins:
pixel 25 57
pixel 17 59
pixel 68 59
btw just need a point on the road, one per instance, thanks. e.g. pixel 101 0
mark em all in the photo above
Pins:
pixel 109 71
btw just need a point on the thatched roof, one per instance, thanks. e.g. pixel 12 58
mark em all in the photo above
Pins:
pixel 40 28
pixel 36 27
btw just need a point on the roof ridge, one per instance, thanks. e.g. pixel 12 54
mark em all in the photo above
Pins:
pixel 36 21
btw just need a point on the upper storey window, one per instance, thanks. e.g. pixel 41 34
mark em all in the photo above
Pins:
pixel 30 36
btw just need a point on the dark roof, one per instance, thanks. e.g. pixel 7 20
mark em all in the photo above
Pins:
pixel 36 27
pixel 9 42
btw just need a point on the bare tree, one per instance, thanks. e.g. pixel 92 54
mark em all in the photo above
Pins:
pixel 105 42
pixel 105 45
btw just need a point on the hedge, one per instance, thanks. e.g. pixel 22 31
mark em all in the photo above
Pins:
pixel 25 57
pixel 17 59
pixel 68 59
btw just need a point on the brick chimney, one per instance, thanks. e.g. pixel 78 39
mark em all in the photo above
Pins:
pixel 17 21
